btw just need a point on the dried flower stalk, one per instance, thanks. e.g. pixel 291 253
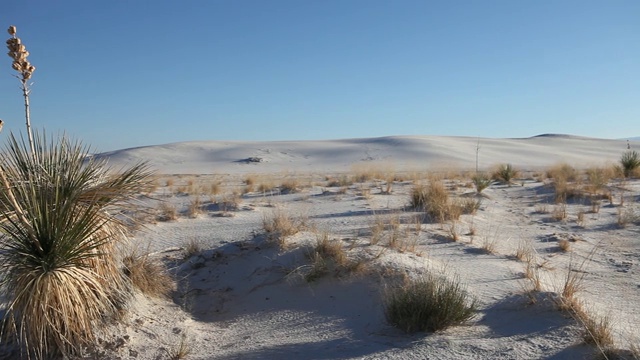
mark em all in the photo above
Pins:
pixel 18 52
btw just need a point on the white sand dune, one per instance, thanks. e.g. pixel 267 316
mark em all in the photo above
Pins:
pixel 243 299
pixel 404 152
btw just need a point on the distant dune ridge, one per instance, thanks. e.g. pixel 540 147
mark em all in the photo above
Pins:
pixel 402 152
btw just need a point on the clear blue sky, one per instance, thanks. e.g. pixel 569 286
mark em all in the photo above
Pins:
pixel 118 74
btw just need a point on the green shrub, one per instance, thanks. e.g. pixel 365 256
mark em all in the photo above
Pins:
pixel 630 161
pixel 481 182
pixel 428 303
pixel 58 240
pixel 505 173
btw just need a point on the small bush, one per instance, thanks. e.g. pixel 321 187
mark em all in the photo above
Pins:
pixel 429 303
pixel 147 274
pixel 195 207
pixel 505 173
pixel 434 200
pixel 481 181
pixel 563 171
pixel 168 212
pixel 279 226
pixel 630 161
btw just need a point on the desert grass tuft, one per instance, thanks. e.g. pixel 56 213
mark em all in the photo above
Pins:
pixel 564 245
pixel 167 212
pixel 327 256
pixel 195 207
pixel 434 200
pixel 428 303
pixel 279 226
pixel 147 274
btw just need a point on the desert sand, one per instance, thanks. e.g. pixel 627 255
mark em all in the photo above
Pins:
pixel 238 297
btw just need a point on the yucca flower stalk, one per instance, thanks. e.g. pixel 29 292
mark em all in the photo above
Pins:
pixel 18 52
pixel 59 230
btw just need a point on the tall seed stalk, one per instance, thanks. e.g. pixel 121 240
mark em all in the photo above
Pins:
pixel 18 52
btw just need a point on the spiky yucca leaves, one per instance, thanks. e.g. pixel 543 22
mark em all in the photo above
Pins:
pixel 58 233
pixel 630 161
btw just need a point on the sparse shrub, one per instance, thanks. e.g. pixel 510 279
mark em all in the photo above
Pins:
pixel 214 188
pixel 192 247
pixel 564 245
pixel 627 216
pixel 326 256
pixel 562 171
pixel 565 191
pixel 289 186
pixel 580 219
pixel 434 200
pixel 597 331
pixel 147 274
pixel 428 303
pixel 468 205
pixel 597 179
pixel 630 161
pixel 524 250
pixel 230 202
pixel 168 212
pixel 559 212
pixel 481 181
pixel 505 173
pixel 195 207
pixel 541 209
pixel 342 181
pixel 489 244
pixel 279 226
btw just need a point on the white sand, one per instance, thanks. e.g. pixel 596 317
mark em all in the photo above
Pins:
pixel 402 152
pixel 241 299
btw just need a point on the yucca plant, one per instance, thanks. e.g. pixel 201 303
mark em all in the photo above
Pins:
pixel 60 222
pixel 630 161
pixel 481 181
pixel 505 173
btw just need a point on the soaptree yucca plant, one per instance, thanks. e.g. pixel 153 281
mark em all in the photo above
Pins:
pixel 59 229
pixel 630 161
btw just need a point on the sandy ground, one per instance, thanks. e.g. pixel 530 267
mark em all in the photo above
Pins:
pixel 240 297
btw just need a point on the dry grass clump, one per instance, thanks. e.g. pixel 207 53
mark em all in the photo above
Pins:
pixel 564 172
pixel 167 212
pixel 564 245
pixel 434 200
pixel 147 274
pixel 229 202
pixel 559 212
pixel 195 207
pixel 428 303
pixel 62 277
pixel 505 173
pixel 524 250
pixel 626 216
pixel 597 179
pixel 280 225
pixel 341 181
pixel 329 256
pixel 191 248
pixel 290 185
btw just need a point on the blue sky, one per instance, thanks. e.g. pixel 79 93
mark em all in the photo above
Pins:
pixel 119 74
